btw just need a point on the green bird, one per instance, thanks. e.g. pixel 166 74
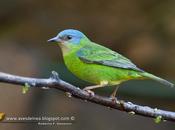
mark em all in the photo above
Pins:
pixel 97 64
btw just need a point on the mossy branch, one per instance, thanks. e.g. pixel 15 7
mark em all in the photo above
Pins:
pixel 55 82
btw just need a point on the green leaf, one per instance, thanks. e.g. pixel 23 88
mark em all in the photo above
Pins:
pixel 158 119
pixel 25 88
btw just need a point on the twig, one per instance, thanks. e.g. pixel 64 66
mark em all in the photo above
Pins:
pixel 55 82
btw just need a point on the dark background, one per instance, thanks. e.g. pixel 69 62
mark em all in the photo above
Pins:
pixel 142 30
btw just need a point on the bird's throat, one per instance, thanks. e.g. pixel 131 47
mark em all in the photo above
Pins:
pixel 65 49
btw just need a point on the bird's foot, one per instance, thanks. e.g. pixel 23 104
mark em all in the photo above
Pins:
pixel 91 93
pixel 114 99
pixel 113 96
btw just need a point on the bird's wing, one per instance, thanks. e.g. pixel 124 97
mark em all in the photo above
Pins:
pixel 96 54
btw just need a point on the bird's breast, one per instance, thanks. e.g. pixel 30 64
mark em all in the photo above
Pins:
pixel 72 62
pixel 93 73
pixel 65 49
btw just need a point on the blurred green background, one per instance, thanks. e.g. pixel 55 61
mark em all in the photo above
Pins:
pixel 142 30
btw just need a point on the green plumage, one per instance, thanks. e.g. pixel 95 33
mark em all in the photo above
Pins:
pixel 94 72
pixel 96 64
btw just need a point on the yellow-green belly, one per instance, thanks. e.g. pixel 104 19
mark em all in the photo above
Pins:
pixel 95 73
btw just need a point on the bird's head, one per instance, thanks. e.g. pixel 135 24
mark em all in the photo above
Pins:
pixel 70 38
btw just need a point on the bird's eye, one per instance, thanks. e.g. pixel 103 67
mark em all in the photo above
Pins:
pixel 66 37
pixel 69 37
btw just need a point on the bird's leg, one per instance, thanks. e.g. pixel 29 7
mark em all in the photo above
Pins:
pixel 102 84
pixel 114 94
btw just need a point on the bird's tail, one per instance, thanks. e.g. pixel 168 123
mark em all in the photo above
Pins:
pixel 163 81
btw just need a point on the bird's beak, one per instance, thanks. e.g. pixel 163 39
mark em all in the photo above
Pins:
pixel 55 39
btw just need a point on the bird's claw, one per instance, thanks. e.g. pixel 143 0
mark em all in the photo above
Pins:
pixel 114 99
pixel 91 93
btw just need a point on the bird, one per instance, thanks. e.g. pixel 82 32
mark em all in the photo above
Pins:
pixel 97 64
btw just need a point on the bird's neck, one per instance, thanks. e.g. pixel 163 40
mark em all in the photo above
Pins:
pixel 65 49
pixel 69 48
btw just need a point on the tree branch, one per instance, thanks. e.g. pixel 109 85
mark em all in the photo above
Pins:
pixel 55 82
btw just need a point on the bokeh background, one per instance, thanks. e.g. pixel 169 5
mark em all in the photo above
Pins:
pixel 142 30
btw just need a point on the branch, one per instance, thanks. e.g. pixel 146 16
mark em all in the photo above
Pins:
pixel 55 82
